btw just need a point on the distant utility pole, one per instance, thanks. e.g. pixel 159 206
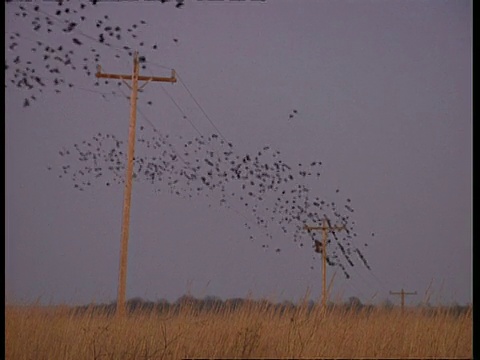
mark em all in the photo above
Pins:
pixel 402 293
pixel 122 282
pixel 326 228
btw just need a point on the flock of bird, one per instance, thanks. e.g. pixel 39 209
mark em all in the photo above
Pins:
pixel 35 63
pixel 273 197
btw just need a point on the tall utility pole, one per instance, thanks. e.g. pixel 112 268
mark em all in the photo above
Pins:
pixel 122 280
pixel 326 228
pixel 402 293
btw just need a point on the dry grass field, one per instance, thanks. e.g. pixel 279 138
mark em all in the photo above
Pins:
pixel 253 330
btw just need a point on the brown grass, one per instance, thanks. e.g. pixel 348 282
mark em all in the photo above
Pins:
pixel 255 330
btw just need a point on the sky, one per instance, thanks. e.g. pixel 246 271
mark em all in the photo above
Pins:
pixel 379 91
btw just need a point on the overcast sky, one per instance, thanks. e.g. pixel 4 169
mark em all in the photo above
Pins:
pixel 383 97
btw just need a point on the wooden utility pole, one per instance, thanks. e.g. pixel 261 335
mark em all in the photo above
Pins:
pixel 402 293
pixel 135 77
pixel 326 228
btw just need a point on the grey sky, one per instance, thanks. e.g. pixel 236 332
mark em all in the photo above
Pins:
pixel 383 91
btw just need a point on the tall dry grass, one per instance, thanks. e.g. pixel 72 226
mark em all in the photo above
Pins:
pixel 255 330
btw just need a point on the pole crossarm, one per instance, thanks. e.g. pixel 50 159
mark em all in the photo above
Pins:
pixel 325 228
pixel 171 79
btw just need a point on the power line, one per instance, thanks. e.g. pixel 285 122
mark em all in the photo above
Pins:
pixel 231 206
pixel 172 99
pixel 201 108
pixel 181 111
pixel 239 213
pixel 195 100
